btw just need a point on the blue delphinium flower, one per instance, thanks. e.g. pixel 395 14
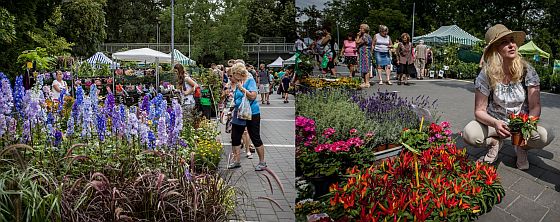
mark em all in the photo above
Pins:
pixel 109 104
pixel 151 140
pixel 57 138
pixel 50 128
pixel 101 126
pixel 93 98
pixel 162 133
pixel 70 126
pixel 132 126
pixel 145 103
pixel 19 93
pixel 87 118
pixel 61 100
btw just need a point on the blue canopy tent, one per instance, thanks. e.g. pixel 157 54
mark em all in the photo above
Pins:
pixel 448 34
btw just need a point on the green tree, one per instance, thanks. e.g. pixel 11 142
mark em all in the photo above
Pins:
pixel 84 24
pixel 132 21
pixel 7 26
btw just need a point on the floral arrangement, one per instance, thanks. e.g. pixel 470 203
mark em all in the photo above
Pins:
pixel 320 155
pixel 453 188
pixel 523 123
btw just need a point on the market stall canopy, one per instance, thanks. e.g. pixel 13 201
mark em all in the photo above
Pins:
pixel 181 58
pixel 448 34
pixel 277 63
pixel 290 61
pixel 144 54
pixel 99 58
pixel 531 49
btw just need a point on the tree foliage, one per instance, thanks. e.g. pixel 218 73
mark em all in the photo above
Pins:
pixel 84 25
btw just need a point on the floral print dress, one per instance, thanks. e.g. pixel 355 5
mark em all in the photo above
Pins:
pixel 364 54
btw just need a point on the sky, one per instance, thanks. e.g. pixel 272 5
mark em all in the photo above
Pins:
pixel 320 4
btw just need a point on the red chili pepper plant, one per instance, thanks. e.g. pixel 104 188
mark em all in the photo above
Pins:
pixel 452 187
pixel 523 123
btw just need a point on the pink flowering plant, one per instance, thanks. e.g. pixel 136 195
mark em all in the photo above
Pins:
pixel 322 155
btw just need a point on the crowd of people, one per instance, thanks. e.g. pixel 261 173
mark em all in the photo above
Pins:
pixel 366 55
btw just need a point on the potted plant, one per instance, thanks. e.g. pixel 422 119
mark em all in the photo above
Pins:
pixel 521 125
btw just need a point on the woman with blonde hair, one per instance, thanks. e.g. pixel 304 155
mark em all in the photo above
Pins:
pixel 506 85
pixel 244 85
pixel 363 42
pixel 381 45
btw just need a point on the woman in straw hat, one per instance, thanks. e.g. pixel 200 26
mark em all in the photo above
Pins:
pixel 507 84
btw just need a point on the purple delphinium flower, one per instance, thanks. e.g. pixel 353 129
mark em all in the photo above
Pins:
pixel 132 126
pixel 77 106
pixel 57 138
pixel 145 106
pixel 101 126
pixel 162 133
pixel 109 104
pixel 87 118
pixel 3 124
pixel 188 175
pixel 93 98
pixel 67 75
pixel 19 93
pixel 6 100
pixel 183 143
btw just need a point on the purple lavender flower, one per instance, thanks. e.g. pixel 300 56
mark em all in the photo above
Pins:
pixel 19 93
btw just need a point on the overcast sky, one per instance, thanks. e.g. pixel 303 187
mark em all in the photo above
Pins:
pixel 320 4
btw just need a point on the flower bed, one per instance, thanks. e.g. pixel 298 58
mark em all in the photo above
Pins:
pixel 343 82
pixel 87 160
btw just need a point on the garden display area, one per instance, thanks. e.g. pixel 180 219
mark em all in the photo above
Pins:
pixel 384 158
pixel 92 159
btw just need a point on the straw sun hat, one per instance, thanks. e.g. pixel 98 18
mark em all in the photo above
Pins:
pixel 500 31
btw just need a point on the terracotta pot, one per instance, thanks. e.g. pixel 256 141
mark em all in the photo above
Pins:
pixel 380 147
pixel 516 138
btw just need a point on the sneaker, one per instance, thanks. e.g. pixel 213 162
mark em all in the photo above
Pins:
pixel 380 82
pixel 261 166
pixel 493 150
pixel 522 161
pixel 234 165
pixel 249 155
pixel 389 83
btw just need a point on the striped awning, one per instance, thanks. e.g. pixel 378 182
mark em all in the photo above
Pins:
pixel 179 57
pixel 448 34
pixel 99 58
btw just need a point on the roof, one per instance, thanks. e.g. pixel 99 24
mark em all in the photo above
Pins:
pixel 448 34
pixel 531 49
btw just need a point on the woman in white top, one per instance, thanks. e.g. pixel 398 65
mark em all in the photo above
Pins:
pixel 58 85
pixel 381 45
pixel 186 86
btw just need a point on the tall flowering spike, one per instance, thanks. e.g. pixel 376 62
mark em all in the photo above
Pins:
pixel 57 138
pixel 6 100
pixel 145 106
pixel 162 132
pixel 87 118
pixel 109 104
pixel 77 106
pixel 93 98
pixel 19 93
pixel 151 140
pixel 61 100
pixel 3 124
pixel 101 126
pixel 70 126
pixel 132 126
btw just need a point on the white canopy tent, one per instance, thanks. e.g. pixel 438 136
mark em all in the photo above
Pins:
pixel 277 63
pixel 99 58
pixel 146 55
pixel 181 58
pixel 290 61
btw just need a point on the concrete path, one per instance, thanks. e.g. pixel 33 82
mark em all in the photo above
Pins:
pixel 532 195
pixel 277 133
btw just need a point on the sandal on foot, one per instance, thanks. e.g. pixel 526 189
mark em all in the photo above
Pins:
pixel 261 166
pixel 234 165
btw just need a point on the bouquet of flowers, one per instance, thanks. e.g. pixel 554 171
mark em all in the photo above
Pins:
pixel 522 124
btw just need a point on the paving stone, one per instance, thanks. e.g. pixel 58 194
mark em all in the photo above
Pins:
pixel 507 178
pixel 268 217
pixel 551 216
pixel 497 215
pixel 508 199
pixel 526 210
pixel 551 199
pixel 527 188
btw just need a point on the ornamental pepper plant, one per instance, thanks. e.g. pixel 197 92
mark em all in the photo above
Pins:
pixel 523 123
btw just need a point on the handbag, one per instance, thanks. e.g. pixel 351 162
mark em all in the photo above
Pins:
pixel 244 110
pixel 325 61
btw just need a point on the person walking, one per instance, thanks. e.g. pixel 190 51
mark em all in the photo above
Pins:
pixel 363 41
pixel 405 61
pixel 381 45
pixel 245 86
pixel 420 59
pixel 350 52
pixel 329 51
pixel 506 85
pixel 263 80
pixel 286 79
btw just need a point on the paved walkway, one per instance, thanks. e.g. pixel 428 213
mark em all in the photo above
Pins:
pixel 277 132
pixel 532 195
